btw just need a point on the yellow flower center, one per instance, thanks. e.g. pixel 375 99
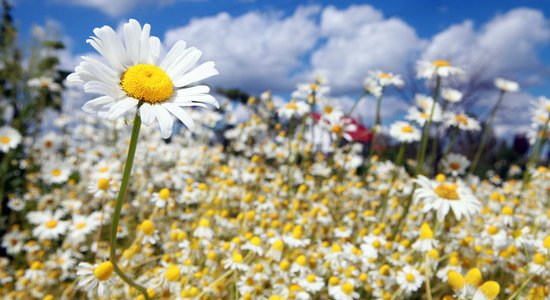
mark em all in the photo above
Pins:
pixel 103 184
pixel 456 281
pixel 409 277
pixel 461 119
pixel 278 245
pixel 204 223
pixel 447 191
pixel 441 63
pixel 256 241
pixel 147 83
pixel 80 225
pixel 407 129
pixel 347 288
pixel 507 210
pixel 51 224
pixel 490 289
pixel 328 109
pixel 384 75
pixel 424 115
pixel 297 232
pixel 474 277
pixel 147 227
pixel 238 258
pixel 172 274
pixel 5 140
pixel 426 232
pixel 164 194
pixel 337 129
pixel 103 271
pixel 539 259
pixel 301 260
pixel 454 166
pixel 292 105
pixel 36 265
pixel 311 278
pixel 56 172
pixel 492 230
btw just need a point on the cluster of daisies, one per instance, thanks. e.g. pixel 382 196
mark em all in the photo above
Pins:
pixel 282 206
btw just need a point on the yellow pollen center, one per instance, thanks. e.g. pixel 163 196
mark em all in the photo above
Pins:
pixel 103 271
pixel 103 184
pixel 147 83
pixel 407 129
pixel 278 245
pixel 147 227
pixel 238 258
pixel 447 191
pixel 80 225
pixel 384 76
pixel 462 119
pixel 347 288
pixel 51 224
pixel 172 274
pixel 311 278
pixel 424 115
pixel 164 194
pixel 337 129
pixel 56 172
pixel 409 277
pixel 204 223
pixel 441 63
pixel 426 232
pixel 454 166
pixel 328 109
pixel 292 106
pixel 490 289
pixel 5 140
pixel 256 241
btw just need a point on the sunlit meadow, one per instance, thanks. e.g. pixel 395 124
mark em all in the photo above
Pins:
pixel 153 190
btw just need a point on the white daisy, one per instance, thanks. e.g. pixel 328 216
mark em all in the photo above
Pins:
pixel 135 77
pixel 444 196
pixel 506 85
pixel 455 164
pixel 9 138
pixel 293 108
pixel 451 95
pixel 461 121
pixel 95 279
pixel 404 132
pixel 409 279
pixel 49 224
pixel 441 68
pixel 55 172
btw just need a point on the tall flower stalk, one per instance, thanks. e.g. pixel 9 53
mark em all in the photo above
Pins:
pixel 118 207
pixel 421 155
pixel 486 132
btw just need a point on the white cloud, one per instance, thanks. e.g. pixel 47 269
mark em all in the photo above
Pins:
pixel 254 51
pixel 114 8
pixel 507 45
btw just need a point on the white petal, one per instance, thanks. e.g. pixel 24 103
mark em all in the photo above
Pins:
pixel 199 73
pixel 183 62
pixel 121 107
pixel 147 114
pixel 164 119
pixel 144 44
pixel 154 50
pixel 181 114
pixel 132 33
pixel 173 54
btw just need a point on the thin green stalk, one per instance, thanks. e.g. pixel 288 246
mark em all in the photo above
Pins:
pixel 118 207
pixel 352 109
pixel 398 162
pixel 426 132
pixel 486 132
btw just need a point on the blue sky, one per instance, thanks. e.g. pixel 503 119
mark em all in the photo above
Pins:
pixel 273 44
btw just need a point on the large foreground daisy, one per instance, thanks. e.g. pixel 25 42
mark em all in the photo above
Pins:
pixel 135 77
pixel 442 196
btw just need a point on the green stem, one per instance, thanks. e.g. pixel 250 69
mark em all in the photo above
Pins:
pixel 486 133
pixel 118 207
pixel 395 173
pixel 426 132
pixel 352 109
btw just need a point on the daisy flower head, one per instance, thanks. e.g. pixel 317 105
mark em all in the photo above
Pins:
pixel 441 68
pixel 455 164
pixel 442 196
pixel 338 126
pixel 95 279
pixel 409 279
pixel 55 173
pixel 487 291
pixel 294 108
pixel 451 95
pixel 49 224
pixel 462 121
pixel 404 132
pixel 9 138
pixel 135 77
pixel 506 86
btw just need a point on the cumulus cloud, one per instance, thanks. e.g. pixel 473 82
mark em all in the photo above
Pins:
pixel 507 45
pixel 115 8
pixel 256 50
